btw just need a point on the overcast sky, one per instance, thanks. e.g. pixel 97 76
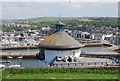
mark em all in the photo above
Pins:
pixel 18 10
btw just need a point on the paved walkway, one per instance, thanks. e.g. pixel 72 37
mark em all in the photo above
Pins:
pixel 89 59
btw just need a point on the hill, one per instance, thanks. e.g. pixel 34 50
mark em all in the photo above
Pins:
pixel 71 22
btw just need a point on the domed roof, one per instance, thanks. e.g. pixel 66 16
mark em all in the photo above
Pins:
pixel 59 40
pixel 59 24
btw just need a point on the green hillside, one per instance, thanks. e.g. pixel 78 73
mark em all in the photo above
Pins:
pixel 71 22
pixel 45 19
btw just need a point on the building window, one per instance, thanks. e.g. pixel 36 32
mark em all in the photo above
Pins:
pixel 73 52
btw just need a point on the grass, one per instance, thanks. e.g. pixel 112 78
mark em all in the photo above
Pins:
pixel 47 19
pixel 61 76
pixel 60 73
pixel 76 76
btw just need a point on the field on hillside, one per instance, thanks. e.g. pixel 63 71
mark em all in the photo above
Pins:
pixel 86 20
pixel 60 73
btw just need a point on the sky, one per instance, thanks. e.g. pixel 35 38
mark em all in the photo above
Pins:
pixel 22 9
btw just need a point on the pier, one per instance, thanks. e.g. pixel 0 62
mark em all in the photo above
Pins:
pixel 18 47
pixel 17 54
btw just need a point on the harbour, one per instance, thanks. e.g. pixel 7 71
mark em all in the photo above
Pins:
pixel 30 60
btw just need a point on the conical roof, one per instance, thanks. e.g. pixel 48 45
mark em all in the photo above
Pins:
pixel 59 24
pixel 60 40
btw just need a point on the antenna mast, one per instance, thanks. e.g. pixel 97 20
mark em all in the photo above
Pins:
pixel 59 16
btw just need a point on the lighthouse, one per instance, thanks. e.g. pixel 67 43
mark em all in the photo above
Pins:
pixel 59 44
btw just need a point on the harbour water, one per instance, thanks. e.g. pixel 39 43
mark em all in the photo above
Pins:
pixel 84 49
pixel 36 63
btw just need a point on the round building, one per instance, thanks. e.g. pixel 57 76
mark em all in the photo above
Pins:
pixel 59 44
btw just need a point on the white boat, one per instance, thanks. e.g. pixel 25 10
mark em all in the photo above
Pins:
pixel 5 42
pixel 41 39
pixel 30 41
pixel 2 66
pixel 1 61
pixel 20 57
pixel 9 42
pixel 13 43
pixel 14 66
pixel 9 57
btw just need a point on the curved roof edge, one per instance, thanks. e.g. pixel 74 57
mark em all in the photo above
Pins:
pixel 59 47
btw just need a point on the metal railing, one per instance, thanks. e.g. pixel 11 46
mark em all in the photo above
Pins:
pixel 117 61
pixel 80 64
pixel 52 61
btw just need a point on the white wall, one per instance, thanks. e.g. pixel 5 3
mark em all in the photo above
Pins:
pixel 50 54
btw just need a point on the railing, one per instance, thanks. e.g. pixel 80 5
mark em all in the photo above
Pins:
pixel 80 64
pixel 117 60
pixel 52 61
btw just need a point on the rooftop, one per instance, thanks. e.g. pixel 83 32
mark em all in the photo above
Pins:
pixel 60 40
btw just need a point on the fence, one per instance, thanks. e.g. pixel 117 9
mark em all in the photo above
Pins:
pixel 117 60
pixel 80 64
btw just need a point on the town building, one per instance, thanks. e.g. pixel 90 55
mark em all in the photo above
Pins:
pixel 98 36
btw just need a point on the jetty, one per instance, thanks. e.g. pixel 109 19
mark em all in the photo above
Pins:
pixel 18 47
pixel 18 54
